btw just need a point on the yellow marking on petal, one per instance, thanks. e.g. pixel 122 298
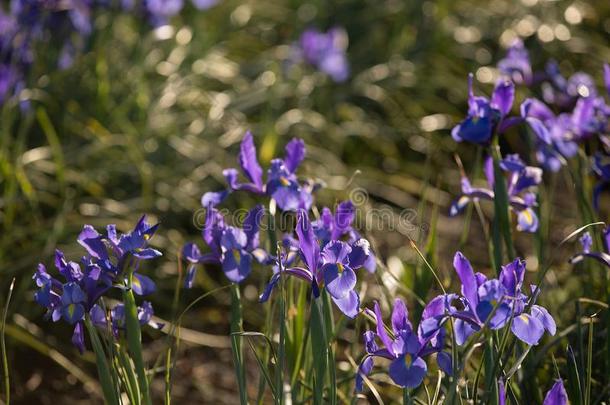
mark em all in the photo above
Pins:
pixel 71 309
pixel 340 268
pixel 285 182
pixel 136 282
pixel 237 255
pixel 408 359
pixel 528 216
pixel 146 236
pixel 524 318
pixel 463 201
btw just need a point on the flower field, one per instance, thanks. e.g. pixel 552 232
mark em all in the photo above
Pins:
pixel 349 202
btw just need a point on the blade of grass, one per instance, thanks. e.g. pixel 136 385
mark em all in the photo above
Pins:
pixel 5 369
pixel 134 340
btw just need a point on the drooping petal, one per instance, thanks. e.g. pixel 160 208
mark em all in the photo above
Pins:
pixel 501 392
pixel 237 265
pixel 190 276
pixel 528 329
pixel 78 337
pixel 473 129
pixel 407 371
pixel 545 317
pixel 143 285
pixel 527 220
pixel 349 305
pixel 73 313
pixel 98 316
pixel 557 395
pixel 191 252
pixel 463 330
pixel 251 226
pixel 249 162
pixel 339 279
pixel 444 362
pixel 364 369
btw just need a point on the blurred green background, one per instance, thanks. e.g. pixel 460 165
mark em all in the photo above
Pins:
pixel 145 121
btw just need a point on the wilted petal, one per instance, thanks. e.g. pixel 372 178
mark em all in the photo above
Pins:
pixel 364 370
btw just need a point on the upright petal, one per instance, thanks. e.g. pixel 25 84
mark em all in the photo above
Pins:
pixel 336 252
pixel 400 317
pixel 469 282
pixel 249 162
pixel 251 226
pixel 380 327
pixel 557 395
pixel 295 153
pixel 503 96
pixel 360 254
pixel 307 241
pixel 344 216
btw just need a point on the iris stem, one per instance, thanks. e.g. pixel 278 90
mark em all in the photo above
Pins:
pixel 406 397
pixel 5 370
pixel 238 352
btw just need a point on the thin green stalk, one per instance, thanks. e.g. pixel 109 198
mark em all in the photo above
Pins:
pixel 5 369
pixel 589 364
pixel 329 323
pixel 406 397
pixel 134 339
pixel 279 382
pixel 319 347
pixel 108 387
pixel 236 344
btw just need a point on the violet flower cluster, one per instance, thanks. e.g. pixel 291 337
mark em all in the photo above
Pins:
pixel 80 294
pixel 483 303
pixel 325 51
pixel 27 23
pixel 521 181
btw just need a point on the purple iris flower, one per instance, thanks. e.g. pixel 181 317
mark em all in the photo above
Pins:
pixel 485 115
pixel 332 266
pixel 102 269
pixel 325 51
pixel 521 179
pixel 404 346
pixel 161 11
pixel 555 136
pixel 557 395
pixel 601 167
pixel 330 227
pixel 493 302
pixel 231 247
pixel 117 317
pixel 516 64
pixel 282 183
pixel 563 93
pixel 586 242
